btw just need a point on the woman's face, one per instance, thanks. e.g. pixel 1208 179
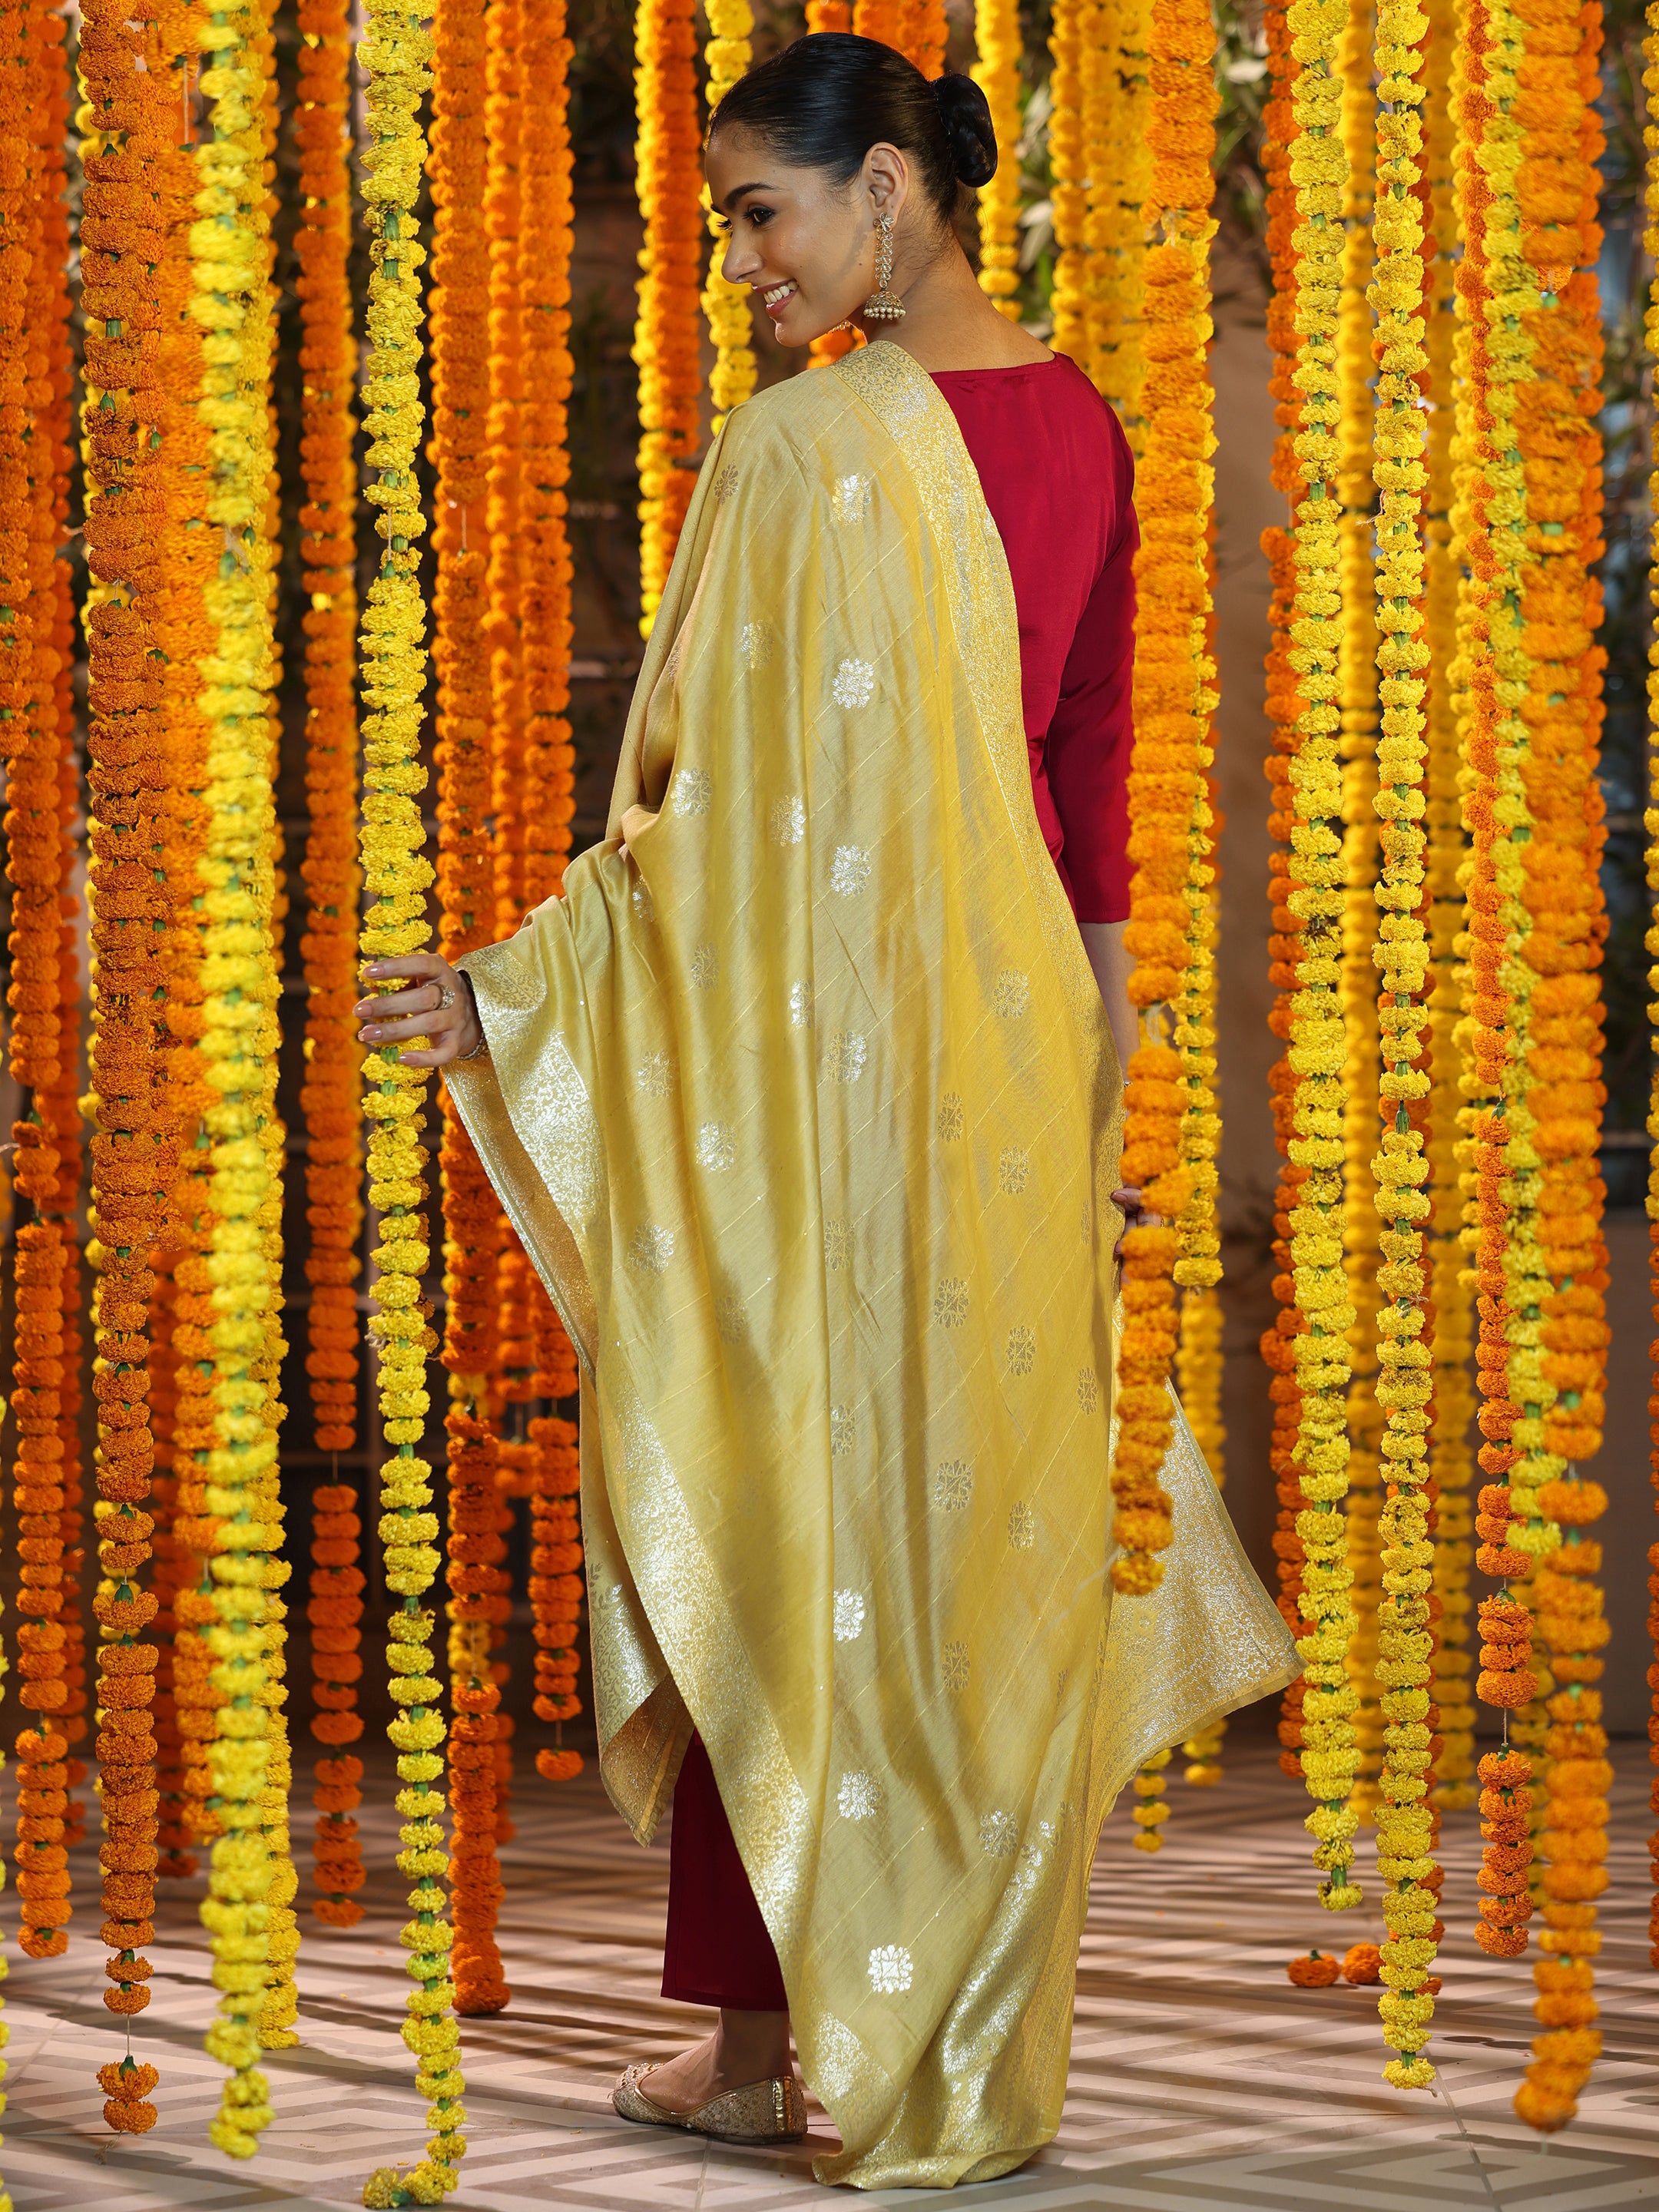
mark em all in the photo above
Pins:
pixel 806 246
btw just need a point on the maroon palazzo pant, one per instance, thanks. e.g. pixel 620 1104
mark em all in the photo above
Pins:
pixel 716 1951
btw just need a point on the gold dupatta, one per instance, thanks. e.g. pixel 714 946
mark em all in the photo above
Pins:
pixel 806 1108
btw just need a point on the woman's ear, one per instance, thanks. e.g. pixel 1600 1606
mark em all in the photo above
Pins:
pixel 887 180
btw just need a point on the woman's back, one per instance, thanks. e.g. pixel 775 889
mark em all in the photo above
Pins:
pixel 1059 479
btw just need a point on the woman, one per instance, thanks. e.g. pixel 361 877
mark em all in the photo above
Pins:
pixel 806 1102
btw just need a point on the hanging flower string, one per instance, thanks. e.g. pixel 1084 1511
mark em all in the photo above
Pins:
pixel 1650 242
pixel 997 74
pixel 1330 1761
pixel 1557 186
pixel 242 1633
pixel 727 307
pixel 1284 707
pixel 1451 1460
pixel 1169 1133
pixel 1404 1390
pixel 668 182
pixel 329 1089
pixel 460 398
pixel 395 55
pixel 124 135
pixel 33 745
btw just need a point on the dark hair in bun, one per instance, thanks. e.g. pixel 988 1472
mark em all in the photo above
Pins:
pixel 823 102
pixel 966 114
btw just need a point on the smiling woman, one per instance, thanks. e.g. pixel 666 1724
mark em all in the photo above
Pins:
pixel 786 1097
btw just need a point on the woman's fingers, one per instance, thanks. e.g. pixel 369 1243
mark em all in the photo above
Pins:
pixel 419 1001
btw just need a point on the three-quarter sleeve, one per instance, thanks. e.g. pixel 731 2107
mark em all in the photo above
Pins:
pixel 1087 753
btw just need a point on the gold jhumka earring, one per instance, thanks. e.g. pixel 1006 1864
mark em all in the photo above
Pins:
pixel 883 306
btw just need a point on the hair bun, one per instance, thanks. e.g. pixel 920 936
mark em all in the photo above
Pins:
pixel 966 115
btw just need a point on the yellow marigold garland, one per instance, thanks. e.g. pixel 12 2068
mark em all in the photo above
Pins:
pixel 668 179
pixel 1120 155
pixel 1404 1385
pixel 1451 1458
pixel 396 55
pixel 997 73
pixel 1358 682
pixel 1329 1758
pixel 1170 1139
pixel 231 305
pixel 1076 31
pixel 732 379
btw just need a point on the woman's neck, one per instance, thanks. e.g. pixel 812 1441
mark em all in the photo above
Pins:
pixel 949 323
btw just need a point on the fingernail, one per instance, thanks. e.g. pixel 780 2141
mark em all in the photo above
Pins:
pixel 371 1036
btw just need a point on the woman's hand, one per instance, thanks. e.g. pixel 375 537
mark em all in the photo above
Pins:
pixel 439 1007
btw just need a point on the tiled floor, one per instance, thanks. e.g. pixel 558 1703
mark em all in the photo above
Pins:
pixel 1201 2081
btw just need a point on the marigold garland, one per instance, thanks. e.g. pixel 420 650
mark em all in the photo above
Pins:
pixel 1120 154
pixel 246 1911
pixel 396 54
pixel 1329 1758
pixel 1650 242
pixel 1357 695
pixel 1404 1388
pixel 460 397
pixel 1168 1144
pixel 1076 31
pixel 328 1088
pixel 1451 1459
pixel 546 796
pixel 669 183
pixel 43 1032
pixel 1277 1344
pixel 732 379
pixel 1557 186
pixel 126 124
pixel 1488 673
pixel 555 1582
pixel 997 72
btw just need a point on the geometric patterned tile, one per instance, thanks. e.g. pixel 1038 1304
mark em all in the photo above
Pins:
pixel 1200 2080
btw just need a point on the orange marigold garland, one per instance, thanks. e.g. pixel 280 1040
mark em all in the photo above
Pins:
pixel 1651 239
pixel 556 1582
pixel 1284 707
pixel 1556 186
pixel 547 794
pixel 460 394
pixel 503 214
pixel 128 126
pixel 1173 695
pixel 1488 529
pixel 31 742
pixel 668 179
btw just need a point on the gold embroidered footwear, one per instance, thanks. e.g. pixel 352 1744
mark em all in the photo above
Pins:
pixel 759 2112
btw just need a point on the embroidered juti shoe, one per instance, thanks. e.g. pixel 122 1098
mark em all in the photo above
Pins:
pixel 768 2112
